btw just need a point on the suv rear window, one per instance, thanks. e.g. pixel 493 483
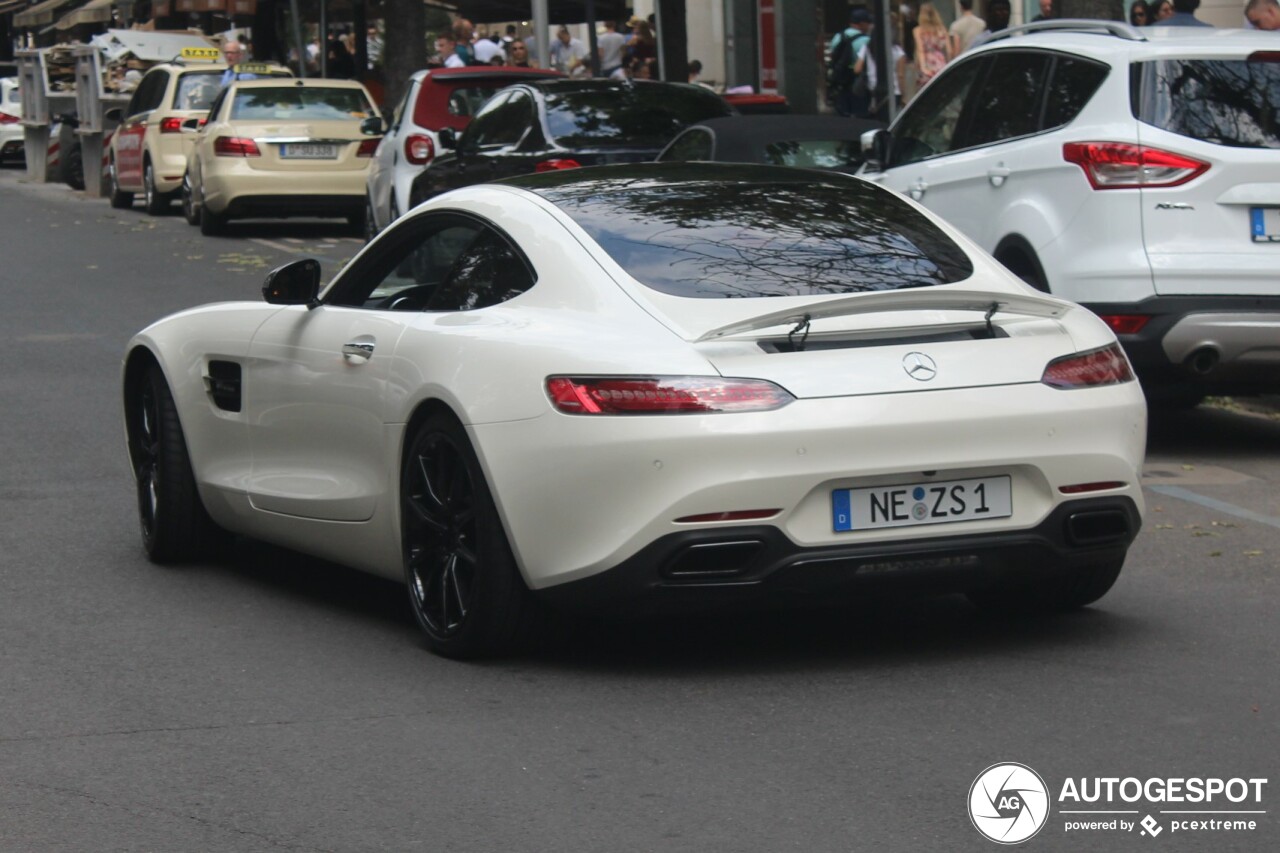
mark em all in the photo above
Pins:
pixel 1231 102
pixel 638 115
pixel 196 91
pixel 735 234
pixel 296 102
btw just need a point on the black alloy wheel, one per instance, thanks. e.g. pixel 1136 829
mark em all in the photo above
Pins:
pixel 175 526
pixel 464 588
pixel 211 224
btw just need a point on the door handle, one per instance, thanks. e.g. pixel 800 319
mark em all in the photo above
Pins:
pixel 997 176
pixel 358 349
pixel 918 189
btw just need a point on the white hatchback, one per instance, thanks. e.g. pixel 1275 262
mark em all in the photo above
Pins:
pixel 1136 171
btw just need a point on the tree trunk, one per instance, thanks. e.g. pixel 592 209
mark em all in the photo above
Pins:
pixel 405 49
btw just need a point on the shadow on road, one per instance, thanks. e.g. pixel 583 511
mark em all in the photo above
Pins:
pixel 1226 430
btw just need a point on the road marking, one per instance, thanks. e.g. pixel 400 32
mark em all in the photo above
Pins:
pixel 272 244
pixel 1213 503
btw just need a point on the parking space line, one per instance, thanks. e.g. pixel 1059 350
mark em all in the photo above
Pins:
pixel 272 244
pixel 1213 503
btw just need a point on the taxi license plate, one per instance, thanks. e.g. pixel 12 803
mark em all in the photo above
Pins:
pixel 308 151
pixel 1264 224
pixel 921 503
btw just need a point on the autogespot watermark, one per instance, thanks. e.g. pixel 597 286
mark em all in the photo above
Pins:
pixel 1009 803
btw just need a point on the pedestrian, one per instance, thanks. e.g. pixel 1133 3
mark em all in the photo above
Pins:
pixel 447 51
pixel 866 64
pixel 1263 14
pixel 1161 10
pixel 641 44
pixel 610 44
pixel 1184 15
pixel 933 44
pixel 1139 13
pixel 234 54
pixel 463 32
pixel 850 95
pixel 965 28
pixel 487 50
pixel 1046 11
pixel 567 53
pixel 998 13
pixel 373 46
pixel 338 61
pixel 518 55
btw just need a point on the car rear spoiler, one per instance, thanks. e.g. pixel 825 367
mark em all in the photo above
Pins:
pixel 900 300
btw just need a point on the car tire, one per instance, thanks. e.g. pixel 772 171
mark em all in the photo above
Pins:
pixel 73 168
pixel 464 588
pixel 1082 587
pixel 356 222
pixel 119 198
pixel 175 526
pixel 155 202
pixel 1025 268
pixel 190 211
pixel 370 221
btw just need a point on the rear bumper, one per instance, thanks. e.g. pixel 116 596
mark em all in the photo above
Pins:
pixel 1212 344
pixel 759 566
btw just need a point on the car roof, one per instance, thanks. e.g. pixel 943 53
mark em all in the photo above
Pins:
pixel 597 84
pixel 611 179
pixel 299 82
pixel 1109 41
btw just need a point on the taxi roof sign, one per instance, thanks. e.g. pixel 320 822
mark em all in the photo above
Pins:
pixel 211 53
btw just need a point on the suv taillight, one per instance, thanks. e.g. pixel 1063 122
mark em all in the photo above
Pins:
pixel 235 146
pixel 418 149
pixel 662 395
pixel 1125 166
pixel 172 124
pixel 368 147
pixel 5 118
pixel 1105 366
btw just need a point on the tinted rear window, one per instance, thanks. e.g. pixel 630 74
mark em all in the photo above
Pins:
pixel 845 154
pixel 640 116
pixel 289 103
pixel 1227 102
pixel 758 236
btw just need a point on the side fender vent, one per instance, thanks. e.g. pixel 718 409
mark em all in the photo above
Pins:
pixel 223 384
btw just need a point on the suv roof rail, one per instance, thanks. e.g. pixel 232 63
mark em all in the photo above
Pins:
pixel 1119 29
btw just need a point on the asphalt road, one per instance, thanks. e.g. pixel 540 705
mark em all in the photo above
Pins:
pixel 267 702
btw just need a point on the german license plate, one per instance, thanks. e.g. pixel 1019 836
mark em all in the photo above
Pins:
pixel 921 503
pixel 308 151
pixel 1264 224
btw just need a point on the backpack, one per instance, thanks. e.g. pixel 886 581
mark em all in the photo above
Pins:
pixel 845 55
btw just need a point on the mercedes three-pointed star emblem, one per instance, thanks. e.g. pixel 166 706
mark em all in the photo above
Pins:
pixel 919 366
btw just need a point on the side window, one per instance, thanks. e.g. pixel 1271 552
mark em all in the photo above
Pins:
pixel 693 144
pixel 501 124
pixel 488 272
pixel 443 262
pixel 1073 84
pixel 216 106
pixel 485 124
pixel 150 93
pixel 929 125
pixel 1008 104
pixel 398 115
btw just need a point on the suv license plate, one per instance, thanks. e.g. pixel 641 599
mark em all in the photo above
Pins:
pixel 308 151
pixel 1264 224
pixel 921 503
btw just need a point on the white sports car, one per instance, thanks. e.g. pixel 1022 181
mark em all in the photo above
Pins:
pixel 647 387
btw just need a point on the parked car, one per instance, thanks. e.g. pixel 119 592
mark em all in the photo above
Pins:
pixel 280 148
pixel 1134 171
pixel 810 142
pixel 436 98
pixel 11 134
pixel 644 387
pixel 564 124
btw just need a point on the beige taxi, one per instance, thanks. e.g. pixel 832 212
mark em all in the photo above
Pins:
pixel 280 148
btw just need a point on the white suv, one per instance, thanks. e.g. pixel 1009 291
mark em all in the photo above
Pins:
pixel 1136 171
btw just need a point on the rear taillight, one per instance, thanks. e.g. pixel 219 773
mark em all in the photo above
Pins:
pixel 662 395
pixel 1124 166
pixel 235 146
pixel 557 163
pixel 367 147
pixel 418 149
pixel 1105 366
pixel 5 118
pixel 171 125
pixel 1126 324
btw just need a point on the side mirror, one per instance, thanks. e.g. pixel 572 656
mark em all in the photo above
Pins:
pixel 114 114
pixel 192 125
pixel 373 126
pixel 448 138
pixel 875 149
pixel 295 283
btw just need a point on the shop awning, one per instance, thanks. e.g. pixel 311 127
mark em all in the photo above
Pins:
pixel 40 14
pixel 93 12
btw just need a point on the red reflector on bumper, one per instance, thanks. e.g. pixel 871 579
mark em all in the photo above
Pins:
pixel 1126 324
pixel 1090 487
pixel 733 515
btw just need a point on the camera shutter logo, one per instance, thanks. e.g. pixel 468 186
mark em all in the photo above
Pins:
pixel 1008 803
